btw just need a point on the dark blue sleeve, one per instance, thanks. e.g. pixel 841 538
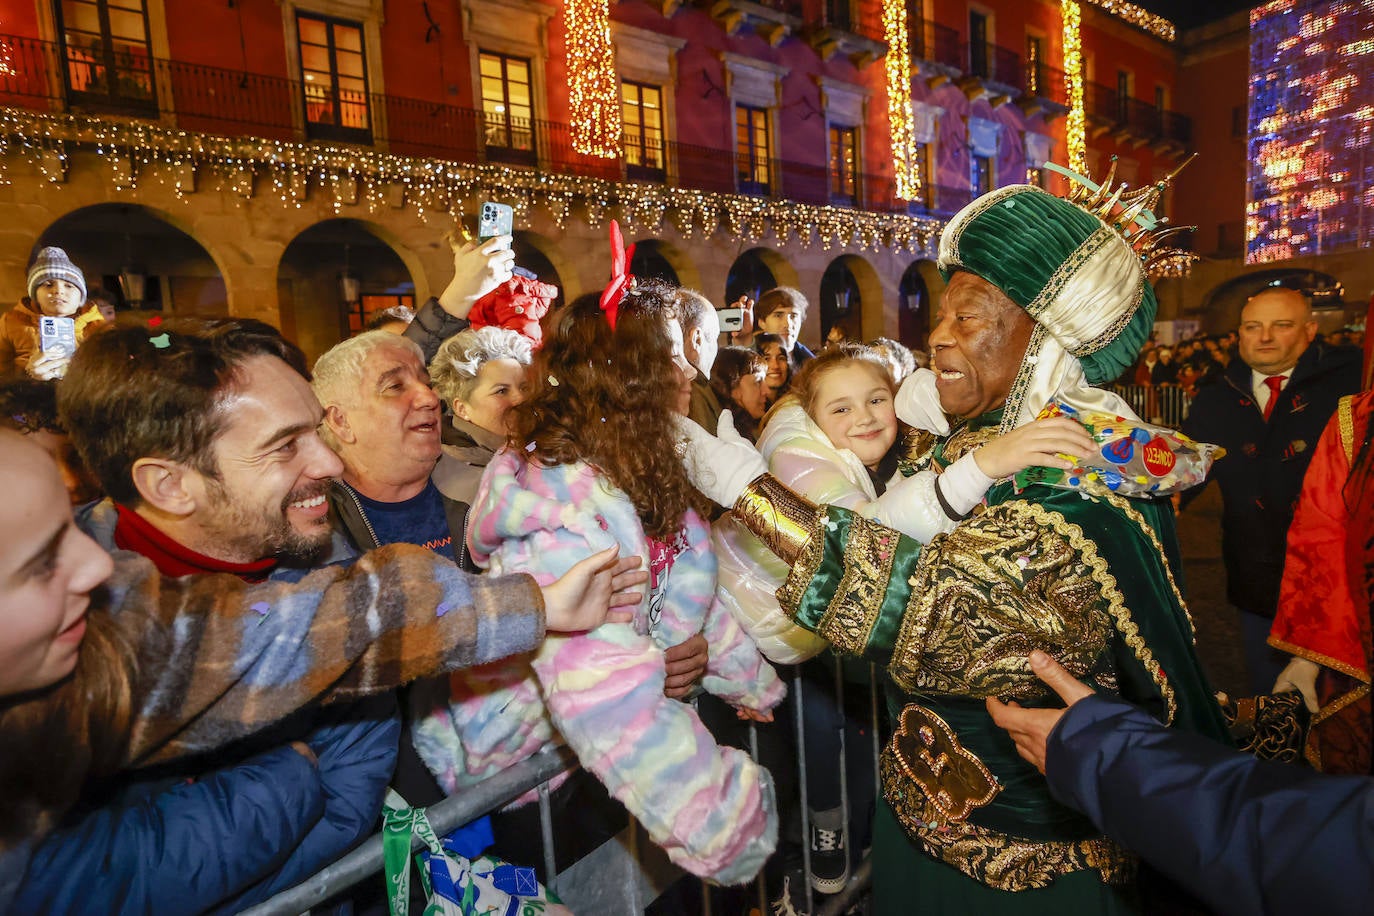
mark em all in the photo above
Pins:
pixel 181 850
pixel 1246 836
pixel 356 750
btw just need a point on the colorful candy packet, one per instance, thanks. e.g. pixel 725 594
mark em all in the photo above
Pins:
pixel 1132 458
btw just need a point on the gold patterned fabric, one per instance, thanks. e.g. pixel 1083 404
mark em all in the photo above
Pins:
pixel 782 519
pixel 985 594
pixel 858 600
pixel 996 859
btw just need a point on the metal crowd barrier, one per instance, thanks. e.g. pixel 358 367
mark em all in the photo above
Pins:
pixel 1163 405
pixel 365 862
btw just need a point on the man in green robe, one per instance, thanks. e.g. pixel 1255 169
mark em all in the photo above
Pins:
pixel 1046 299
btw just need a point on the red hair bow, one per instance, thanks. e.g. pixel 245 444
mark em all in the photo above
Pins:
pixel 621 278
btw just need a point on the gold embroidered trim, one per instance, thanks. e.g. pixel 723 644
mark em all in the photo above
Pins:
pixel 917 450
pixel 1345 411
pixel 964 440
pixel 853 610
pixel 1011 410
pixel 955 230
pixel 1311 752
pixel 996 859
pixel 804 567
pixel 935 650
pixel 1148 530
pixel 928 753
pixel 1323 660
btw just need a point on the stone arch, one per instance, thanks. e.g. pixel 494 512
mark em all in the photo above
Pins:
pixel 852 293
pixel 183 275
pixel 541 257
pixel 684 271
pixel 310 280
pixel 916 292
pixel 755 272
pixel 1221 306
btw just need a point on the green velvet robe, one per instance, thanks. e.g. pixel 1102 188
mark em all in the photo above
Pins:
pixel 1087 579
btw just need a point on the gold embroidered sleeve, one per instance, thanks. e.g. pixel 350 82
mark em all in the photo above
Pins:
pixel 781 518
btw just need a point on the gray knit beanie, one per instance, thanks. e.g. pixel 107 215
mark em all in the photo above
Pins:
pixel 53 264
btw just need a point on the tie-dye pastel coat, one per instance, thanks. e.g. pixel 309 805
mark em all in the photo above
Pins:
pixel 711 808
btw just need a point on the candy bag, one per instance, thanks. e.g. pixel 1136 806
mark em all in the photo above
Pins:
pixel 1132 458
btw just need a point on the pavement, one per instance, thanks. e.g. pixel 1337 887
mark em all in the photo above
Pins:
pixel 1215 621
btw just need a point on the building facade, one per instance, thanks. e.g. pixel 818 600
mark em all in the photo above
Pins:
pixel 301 161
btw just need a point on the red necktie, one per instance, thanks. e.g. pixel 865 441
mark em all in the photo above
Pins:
pixel 1275 383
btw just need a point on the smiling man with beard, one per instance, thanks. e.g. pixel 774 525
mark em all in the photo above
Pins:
pixel 204 435
pixel 1047 299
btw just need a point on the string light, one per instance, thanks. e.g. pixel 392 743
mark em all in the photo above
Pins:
pixel 353 176
pixel 1157 26
pixel 1075 126
pixel 593 88
pixel 902 124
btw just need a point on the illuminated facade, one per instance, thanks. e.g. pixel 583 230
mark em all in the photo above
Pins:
pixel 1311 181
pixel 292 145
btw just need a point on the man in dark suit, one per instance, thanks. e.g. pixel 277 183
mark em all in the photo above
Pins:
pixel 1268 412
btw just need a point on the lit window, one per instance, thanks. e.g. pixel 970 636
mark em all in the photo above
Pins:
pixel 105 44
pixel 753 149
pixel 507 105
pixel 641 111
pixel 982 176
pixel 334 78
pixel 843 164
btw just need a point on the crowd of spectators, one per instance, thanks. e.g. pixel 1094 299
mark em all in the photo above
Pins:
pixel 246 596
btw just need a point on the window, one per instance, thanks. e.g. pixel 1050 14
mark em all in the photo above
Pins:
pixel 641 110
pixel 1035 65
pixel 105 46
pixel 1123 95
pixel 507 106
pixel 978 43
pixel 844 162
pixel 753 149
pixel 1035 177
pixel 981 177
pixel 358 314
pixel 1161 99
pixel 839 14
pixel 334 79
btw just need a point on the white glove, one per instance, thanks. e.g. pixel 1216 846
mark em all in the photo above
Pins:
pixel 1300 675
pixel 720 466
pixel 918 403
pixel 911 506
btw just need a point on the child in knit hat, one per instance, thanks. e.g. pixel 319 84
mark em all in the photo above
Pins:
pixel 58 288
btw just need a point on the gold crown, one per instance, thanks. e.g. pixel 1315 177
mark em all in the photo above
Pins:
pixel 1131 214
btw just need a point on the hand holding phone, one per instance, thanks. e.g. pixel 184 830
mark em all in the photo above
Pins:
pixel 495 219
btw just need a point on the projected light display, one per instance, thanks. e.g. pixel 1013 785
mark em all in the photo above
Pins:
pixel 1311 111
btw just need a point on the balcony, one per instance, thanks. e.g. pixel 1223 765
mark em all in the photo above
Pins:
pixel 772 20
pixel 843 31
pixel 991 72
pixel 1133 121
pixel 238 104
pixel 936 51
pixel 1045 91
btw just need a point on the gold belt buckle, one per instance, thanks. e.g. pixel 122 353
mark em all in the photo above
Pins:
pixel 953 779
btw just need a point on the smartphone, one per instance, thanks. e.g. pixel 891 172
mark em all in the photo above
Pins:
pixel 730 319
pixel 56 335
pixel 495 219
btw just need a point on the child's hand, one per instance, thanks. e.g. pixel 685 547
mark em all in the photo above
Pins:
pixel 753 715
pixel 1037 444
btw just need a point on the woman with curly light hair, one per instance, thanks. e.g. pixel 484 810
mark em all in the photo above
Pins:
pixel 592 463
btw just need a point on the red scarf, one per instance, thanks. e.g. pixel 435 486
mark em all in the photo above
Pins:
pixel 136 533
